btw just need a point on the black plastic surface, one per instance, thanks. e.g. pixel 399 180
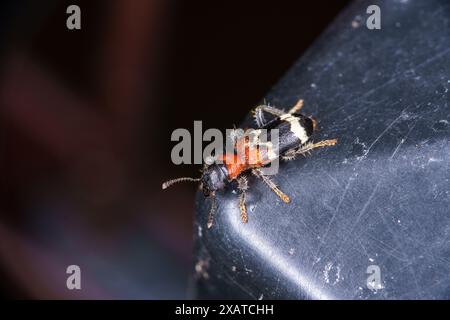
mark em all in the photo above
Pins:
pixel 380 197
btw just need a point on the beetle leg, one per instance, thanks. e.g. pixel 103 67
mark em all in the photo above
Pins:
pixel 291 154
pixel 243 187
pixel 272 110
pixel 271 185
pixel 258 115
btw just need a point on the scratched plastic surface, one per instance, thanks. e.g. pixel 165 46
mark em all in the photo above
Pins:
pixel 380 197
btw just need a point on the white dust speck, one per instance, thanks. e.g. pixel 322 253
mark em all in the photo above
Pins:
pixel 201 268
pixel 291 251
pixel 356 22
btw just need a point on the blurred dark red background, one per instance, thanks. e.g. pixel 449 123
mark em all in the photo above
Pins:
pixel 86 118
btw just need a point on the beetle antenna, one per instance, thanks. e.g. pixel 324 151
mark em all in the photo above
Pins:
pixel 167 184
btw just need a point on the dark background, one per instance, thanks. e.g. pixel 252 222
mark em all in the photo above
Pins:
pixel 86 118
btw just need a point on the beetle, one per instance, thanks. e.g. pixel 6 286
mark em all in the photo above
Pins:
pixel 294 138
